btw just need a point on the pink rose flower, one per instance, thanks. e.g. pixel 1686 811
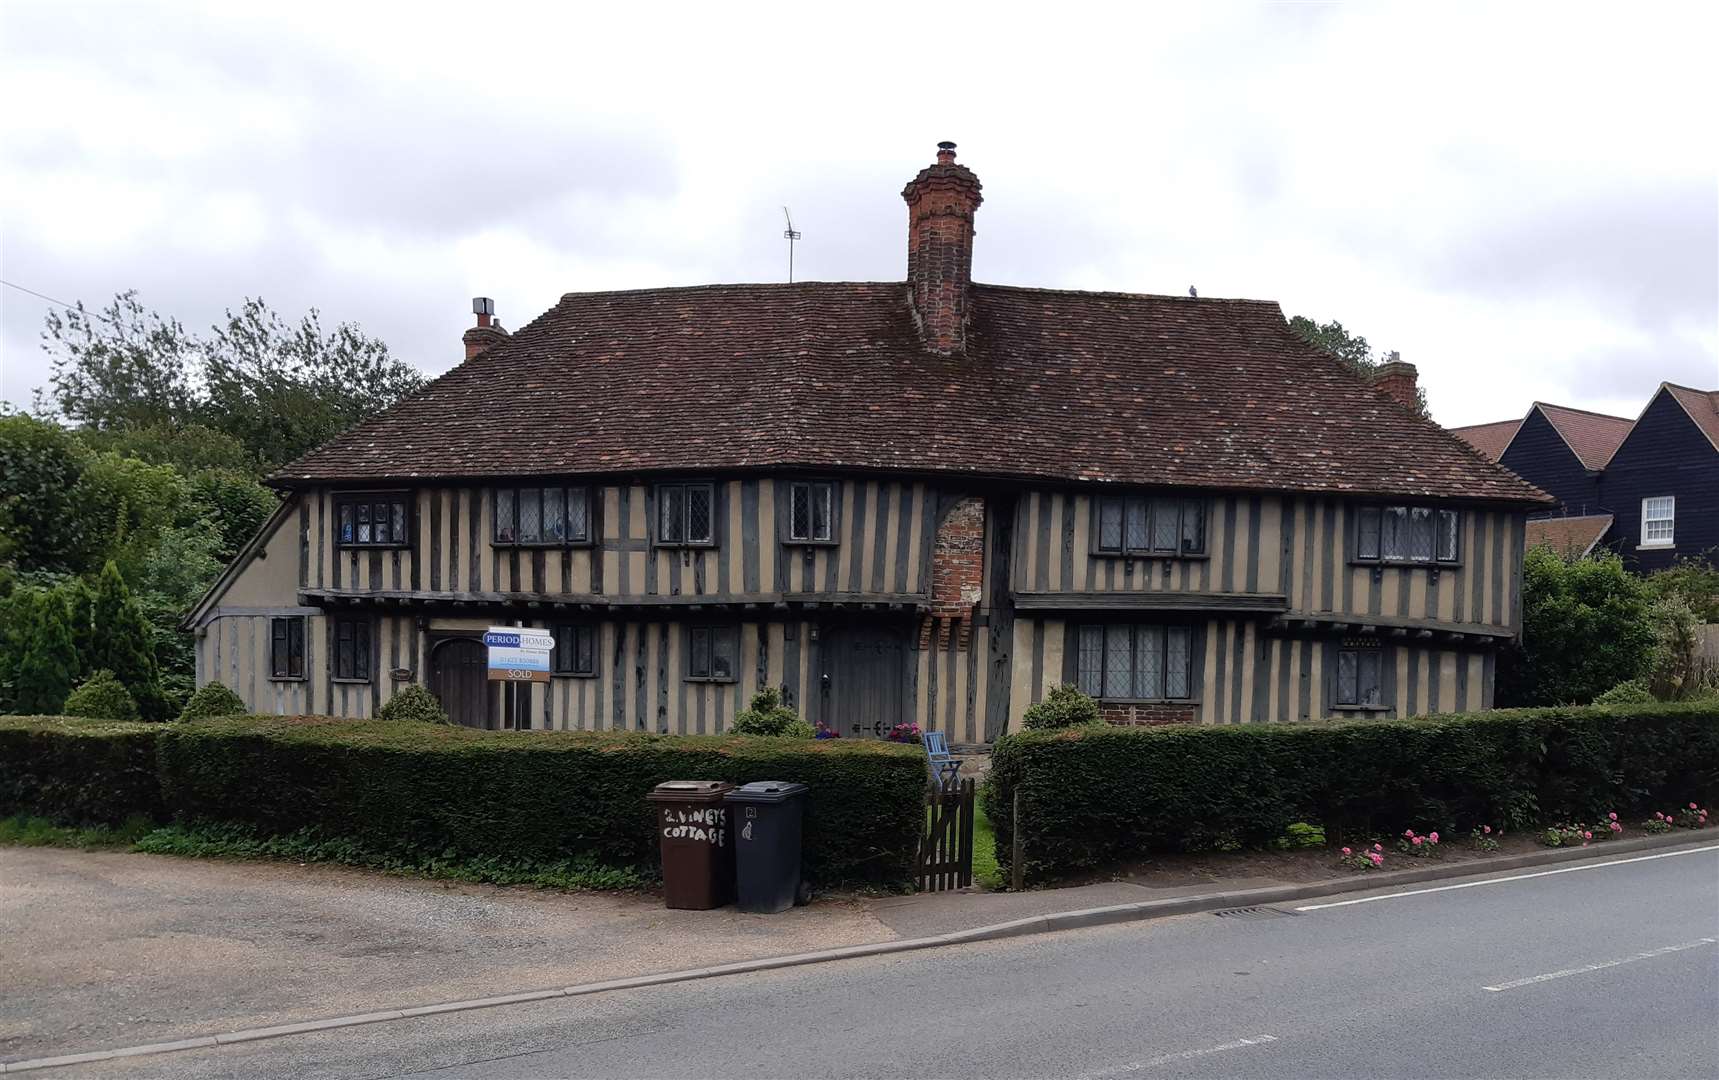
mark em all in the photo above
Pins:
pixel 1346 851
pixel 1692 806
pixel 1378 847
pixel 1613 815
pixel 1586 835
pixel 1487 829
pixel 1416 841
pixel 1408 832
pixel 1433 837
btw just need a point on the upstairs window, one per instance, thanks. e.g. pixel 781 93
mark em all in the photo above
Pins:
pixel 1360 676
pixel 712 653
pixel 811 512
pixel 1659 521
pixel 352 649
pixel 1406 534
pixel 686 514
pixel 542 515
pixel 1136 663
pixel 1142 525
pixel 374 520
pixel 286 647
pixel 575 650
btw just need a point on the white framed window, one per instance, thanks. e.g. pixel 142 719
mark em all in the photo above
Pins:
pixel 1658 521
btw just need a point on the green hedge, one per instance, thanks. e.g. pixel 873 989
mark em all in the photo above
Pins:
pixel 1097 796
pixel 76 770
pixel 415 789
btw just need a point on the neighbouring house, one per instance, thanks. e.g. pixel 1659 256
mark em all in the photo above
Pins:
pixel 926 500
pixel 1647 488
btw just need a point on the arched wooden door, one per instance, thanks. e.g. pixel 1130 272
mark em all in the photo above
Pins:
pixel 459 677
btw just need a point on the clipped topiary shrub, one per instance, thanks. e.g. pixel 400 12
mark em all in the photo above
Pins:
pixel 768 716
pixel 418 790
pixel 101 697
pixel 1628 692
pixel 213 699
pixel 78 771
pixel 1065 706
pixel 414 704
pixel 1098 795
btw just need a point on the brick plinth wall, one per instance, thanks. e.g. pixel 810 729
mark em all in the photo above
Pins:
pixel 1146 715
pixel 941 202
pixel 957 573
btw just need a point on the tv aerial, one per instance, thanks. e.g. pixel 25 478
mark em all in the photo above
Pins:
pixel 791 234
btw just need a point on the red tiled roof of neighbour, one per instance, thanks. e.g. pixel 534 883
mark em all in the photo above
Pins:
pixel 1489 439
pixel 1593 437
pixel 1053 385
pixel 1574 536
pixel 1702 406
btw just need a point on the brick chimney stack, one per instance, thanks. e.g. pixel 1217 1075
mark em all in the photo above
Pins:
pixel 941 202
pixel 487 332
pixel 1397 377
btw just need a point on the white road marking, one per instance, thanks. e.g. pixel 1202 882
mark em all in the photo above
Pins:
pixel 1186 1055
pixel 1585 968
pixel 1514 877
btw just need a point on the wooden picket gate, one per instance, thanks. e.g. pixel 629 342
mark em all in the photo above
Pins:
pixel 946 847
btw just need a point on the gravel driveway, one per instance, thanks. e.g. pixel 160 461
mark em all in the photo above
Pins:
pixel 101 949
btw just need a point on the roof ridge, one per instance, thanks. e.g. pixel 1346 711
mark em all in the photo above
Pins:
pixel 1485 423
pixel 1584 412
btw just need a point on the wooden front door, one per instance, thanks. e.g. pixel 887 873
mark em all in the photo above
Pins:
pixel 459 677
pixel 865 680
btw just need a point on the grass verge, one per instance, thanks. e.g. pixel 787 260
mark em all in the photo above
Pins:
pixel 238 842
pixel 23 830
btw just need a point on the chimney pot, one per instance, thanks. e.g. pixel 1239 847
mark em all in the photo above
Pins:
pixel 487 332
pixel 941 203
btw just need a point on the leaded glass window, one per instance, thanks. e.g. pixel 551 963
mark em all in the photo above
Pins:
pixel 1408 534
pixel 1360 676
pixel 373 520
pixel 575 650
pixel 811 511
pixel 1120 661
pixel 686 514
pixel 1140 525
pixel 713 653
pixel 547 515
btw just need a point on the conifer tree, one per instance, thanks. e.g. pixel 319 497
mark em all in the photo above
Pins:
pixel 47 670
pixel 122 639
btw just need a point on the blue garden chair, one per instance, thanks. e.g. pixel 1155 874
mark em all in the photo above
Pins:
pixel 943 766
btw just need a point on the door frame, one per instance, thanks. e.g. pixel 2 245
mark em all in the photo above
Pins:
pixel 433 642
pixel 830 634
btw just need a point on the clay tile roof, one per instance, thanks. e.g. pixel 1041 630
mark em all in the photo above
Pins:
pixel 1489 439
pixel 1054 385
pixel 1702 406
pixel 1592 437
pixel 1570 536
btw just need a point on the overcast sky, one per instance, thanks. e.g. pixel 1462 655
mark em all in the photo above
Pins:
pixel 1522 199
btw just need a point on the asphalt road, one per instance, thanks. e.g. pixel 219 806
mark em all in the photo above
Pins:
pixel 1596 971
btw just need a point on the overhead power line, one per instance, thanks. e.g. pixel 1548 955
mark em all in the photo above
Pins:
pixel 51 300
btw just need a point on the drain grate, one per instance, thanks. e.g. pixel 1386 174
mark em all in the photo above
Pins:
pixel 1256 912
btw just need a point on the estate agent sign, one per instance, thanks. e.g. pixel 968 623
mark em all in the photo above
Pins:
pixel 518 654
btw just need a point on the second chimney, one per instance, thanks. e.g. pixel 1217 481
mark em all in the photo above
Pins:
pixel 1397 378
pixel 941 202
pixel 487 332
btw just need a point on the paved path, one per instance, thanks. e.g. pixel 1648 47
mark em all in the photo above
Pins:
pixel 1584 970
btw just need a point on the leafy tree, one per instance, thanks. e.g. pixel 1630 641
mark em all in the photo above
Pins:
pixel 122 367
pixel 190 448
pixel 1695 581
pixel 46 516
pixel 284 389
pixel 234 504
pixel 1351 349
pixel 123 641
pixel 275 389
pixel 47 666
pixel 1586 626
pixel 101 697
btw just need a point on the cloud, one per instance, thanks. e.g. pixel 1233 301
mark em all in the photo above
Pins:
pixel 1516 201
